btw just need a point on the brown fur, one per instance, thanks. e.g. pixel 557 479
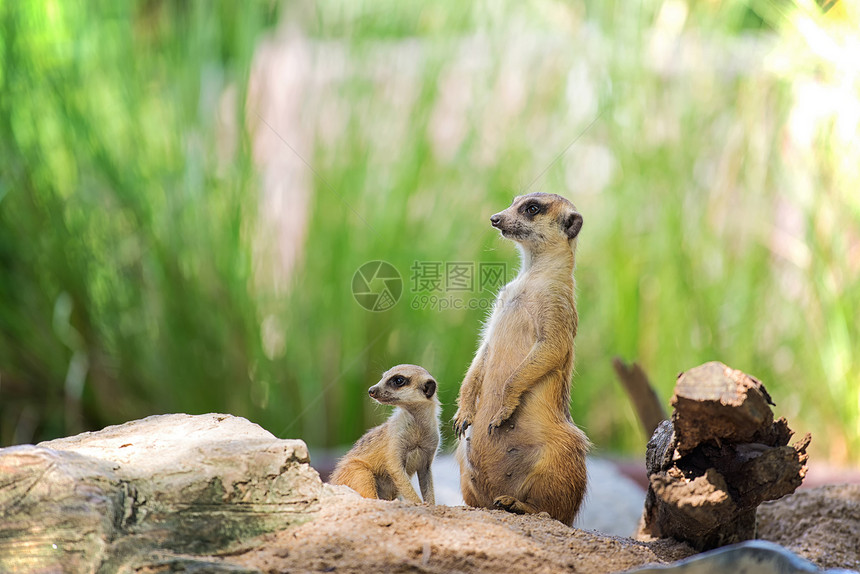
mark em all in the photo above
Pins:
pixel 524 453
pixel 382 462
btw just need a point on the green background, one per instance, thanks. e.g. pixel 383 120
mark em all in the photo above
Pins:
pixel 187 190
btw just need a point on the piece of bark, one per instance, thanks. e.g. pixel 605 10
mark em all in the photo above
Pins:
pixel 720 457
pixel 642 394
pixel 658 456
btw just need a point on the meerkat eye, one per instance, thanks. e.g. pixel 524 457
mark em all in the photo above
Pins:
pixel 397 381
pixel 533 209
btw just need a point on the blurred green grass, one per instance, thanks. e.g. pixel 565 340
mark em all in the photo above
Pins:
pixel 136 266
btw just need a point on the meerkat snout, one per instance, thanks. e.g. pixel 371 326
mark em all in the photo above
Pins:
pixel 538 218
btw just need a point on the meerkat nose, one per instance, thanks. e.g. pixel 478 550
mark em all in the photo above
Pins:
pixel 372 392
pixel 495 220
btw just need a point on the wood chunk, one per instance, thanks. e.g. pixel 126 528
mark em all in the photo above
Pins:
pixel 642 394
pixel 715 403
pixel 702 508
pixel 721 456
pixel 771 475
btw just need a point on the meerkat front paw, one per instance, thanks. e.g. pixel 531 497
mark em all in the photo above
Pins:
pixel 462 421
pixel 501 418
pixel 513 505
pixel 508 503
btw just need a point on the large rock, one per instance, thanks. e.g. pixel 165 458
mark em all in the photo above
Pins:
pixel 117 499
pixel 59 511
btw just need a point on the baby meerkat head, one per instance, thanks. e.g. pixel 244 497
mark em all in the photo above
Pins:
pixel 537 220
pixel 405 385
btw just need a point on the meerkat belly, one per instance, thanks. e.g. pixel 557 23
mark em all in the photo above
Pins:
pixel 415 459
pixel 543 407
pixel 509 341
pixel 516 447
pixel 500 461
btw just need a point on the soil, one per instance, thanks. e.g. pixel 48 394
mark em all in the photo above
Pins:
pixel 353 534
pixel 360 535
pixel 822 524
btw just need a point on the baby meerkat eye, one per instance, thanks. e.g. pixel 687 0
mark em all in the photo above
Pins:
pixel 533 209
pixel 397 380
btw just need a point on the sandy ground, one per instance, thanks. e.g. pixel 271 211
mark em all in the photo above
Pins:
pixel 612 505
pixel 358 535
pixel 353 534
pixel 822 524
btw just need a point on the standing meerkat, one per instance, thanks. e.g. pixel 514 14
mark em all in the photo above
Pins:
pixel 382 462
pixel 524 454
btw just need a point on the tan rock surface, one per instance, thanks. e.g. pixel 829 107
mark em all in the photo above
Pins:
pixel 137 494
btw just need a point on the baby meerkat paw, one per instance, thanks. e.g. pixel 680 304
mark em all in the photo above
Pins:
pixel 462 421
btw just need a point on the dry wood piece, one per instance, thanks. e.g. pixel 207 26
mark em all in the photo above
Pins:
pixel 721 456
pixel 645 400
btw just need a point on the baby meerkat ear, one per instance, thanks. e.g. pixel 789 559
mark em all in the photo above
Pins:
pixel 429 388
pixel 572 224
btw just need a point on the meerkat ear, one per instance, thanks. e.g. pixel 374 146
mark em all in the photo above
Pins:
pixel 429 388
pixel 572 224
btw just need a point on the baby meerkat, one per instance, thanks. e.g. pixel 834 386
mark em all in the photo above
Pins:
pixel 524 454
pixel 382 462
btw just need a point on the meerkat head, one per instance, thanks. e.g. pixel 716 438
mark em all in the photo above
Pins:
pixel 539 220
pixel 406 386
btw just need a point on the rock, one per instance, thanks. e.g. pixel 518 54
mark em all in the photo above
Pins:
pixel 169 563
pixel 60 510
pixel 187 484
pixel 755 556
pixel 209 479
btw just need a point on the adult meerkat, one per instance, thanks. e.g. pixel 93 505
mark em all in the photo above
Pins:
pixel 524 454
pixel 382 462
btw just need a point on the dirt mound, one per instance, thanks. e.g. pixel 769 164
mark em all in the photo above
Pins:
pixel 359 535
pixel 821 524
